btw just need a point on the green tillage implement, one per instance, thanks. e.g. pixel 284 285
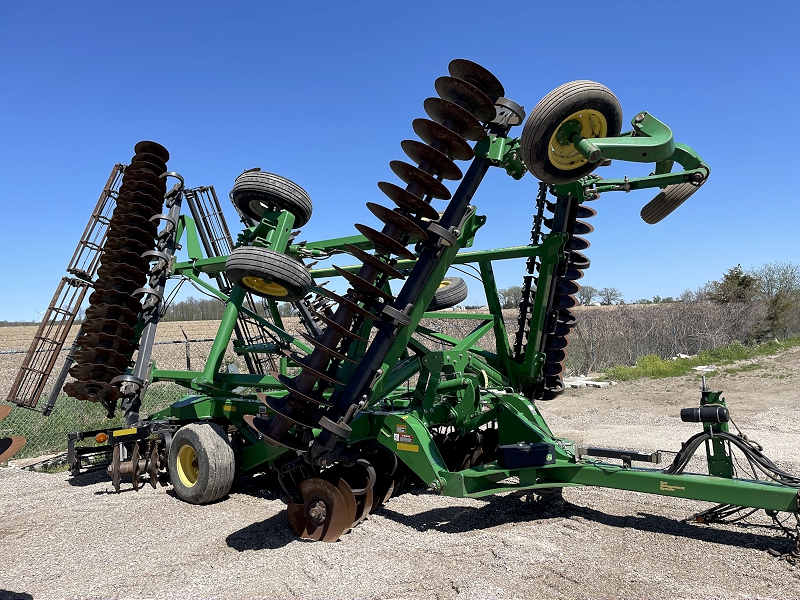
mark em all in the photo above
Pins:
pixel 373 407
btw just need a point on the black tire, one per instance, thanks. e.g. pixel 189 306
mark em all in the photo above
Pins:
pixel 201 464
pixel 452 291
pixel 547 117
pixel 668 200
pixel 255 191
pixel 268 273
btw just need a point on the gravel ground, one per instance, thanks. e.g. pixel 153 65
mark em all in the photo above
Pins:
pixel 64 538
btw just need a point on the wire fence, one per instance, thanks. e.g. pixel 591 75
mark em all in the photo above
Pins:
pixel 604 337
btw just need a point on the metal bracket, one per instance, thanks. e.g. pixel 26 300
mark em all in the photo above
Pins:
pixel 447 237
pixel 400 317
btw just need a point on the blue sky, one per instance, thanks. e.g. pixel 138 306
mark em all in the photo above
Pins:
pixel 324 93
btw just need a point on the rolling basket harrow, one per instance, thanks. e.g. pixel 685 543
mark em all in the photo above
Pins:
pixel 357 407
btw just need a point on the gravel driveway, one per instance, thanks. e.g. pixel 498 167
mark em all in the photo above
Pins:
pixel 65 538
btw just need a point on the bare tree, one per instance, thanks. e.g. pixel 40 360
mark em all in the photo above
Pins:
pixel 609 296
pixel 586 294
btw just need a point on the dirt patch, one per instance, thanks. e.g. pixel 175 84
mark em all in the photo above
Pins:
pixel 62 537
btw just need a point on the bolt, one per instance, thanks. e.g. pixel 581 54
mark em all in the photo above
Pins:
pixel 639 118
pixel 317 512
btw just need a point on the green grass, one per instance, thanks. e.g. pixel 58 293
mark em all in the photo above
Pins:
pixel 654 367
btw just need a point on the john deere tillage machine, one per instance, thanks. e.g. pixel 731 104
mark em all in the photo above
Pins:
pixel 349 412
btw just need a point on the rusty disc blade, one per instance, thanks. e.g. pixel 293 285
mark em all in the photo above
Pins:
pixel 443 139
pixel 343 331
pixel 564 301
pixel 478 76
pixel 581 228
pixel 349 501
pixel 287 411
pixel 408 201
pixel 133 175
pixel 578 260
pixel 374 262
pixel 383 242
pixel 363 285
pixel 343 301
pixel 566 286
pixel 323 348
pixel 295 514
pixel 93 391
pixel 363 506
pixel 9 446
pixel 577 243
pixel 392 217
pixel 453 117
pixel 318 374
pixel 556 342
pixel 287 441
pixel 116 284
pixel 5 409
pixel 411 174
pixel 422 153
pixel 555 356
pixel 467 96
pixel 94 374
pixel 553 368
pixel 133 245
pixel 159 165
pixel 325 510
pixel 105 341
pixel 152 148
pixel 288 383
pixel 102 312
pixel 110 327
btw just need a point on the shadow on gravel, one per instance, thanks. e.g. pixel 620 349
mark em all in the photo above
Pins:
pixel 89 478
pixel 514 509
pixel 7 595
pixel 271 534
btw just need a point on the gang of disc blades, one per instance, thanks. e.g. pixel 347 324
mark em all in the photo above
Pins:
pixel 363 285
pixel 152 148
pixel 462 93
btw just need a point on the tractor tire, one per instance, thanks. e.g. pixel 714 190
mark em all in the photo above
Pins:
pixel 200 463
pixel 452 291
pixel 268 273
pixel 590 104
pixel 255 191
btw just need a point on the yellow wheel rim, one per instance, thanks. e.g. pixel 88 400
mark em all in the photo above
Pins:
pixel 187 466
pixel 268 288
pixel 445 283
pixel 565 156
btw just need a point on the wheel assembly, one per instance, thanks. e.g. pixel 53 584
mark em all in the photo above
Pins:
pixel 268 273
pixel 256 192
pixel 201 464
pixel 452 292
pixel 573 111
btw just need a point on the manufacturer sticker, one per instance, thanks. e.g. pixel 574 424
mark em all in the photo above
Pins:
pixel 666 487
pixel 405 439
pixel 400 428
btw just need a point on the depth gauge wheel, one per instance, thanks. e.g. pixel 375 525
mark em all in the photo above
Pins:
pixel 585 108
pixel 201 463
pixel 255 192
pixel 452 291
pixel 268 273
